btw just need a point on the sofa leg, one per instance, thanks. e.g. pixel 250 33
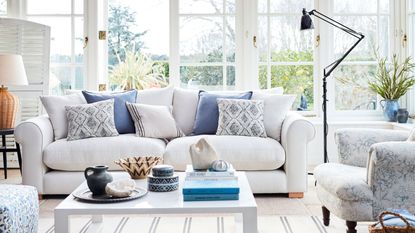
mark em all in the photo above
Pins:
pixel 351 226
pixel 295 195
pixel 40 197
pixel 326 216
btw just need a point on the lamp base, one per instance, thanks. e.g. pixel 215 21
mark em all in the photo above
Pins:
pixel 9 105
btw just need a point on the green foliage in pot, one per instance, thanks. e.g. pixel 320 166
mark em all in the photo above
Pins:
pixel 393 80
pixel 137 71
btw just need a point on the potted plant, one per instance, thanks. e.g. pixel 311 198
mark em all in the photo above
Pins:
pixel 137 71
pixel 391 82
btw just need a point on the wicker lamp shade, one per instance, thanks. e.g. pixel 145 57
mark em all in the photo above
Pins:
pixel 12 72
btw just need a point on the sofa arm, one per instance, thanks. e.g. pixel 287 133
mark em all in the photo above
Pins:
pixel 353 144
pixel 34 135
pixel 295 135
pixel 391 175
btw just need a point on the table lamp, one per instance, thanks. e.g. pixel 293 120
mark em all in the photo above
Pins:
pixel 12 72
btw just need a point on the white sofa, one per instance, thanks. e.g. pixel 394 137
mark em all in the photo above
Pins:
pixel 56 167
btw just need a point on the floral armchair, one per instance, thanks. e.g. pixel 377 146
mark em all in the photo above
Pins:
pixel 375 172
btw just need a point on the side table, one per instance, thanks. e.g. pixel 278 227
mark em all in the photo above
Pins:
pixel 4 149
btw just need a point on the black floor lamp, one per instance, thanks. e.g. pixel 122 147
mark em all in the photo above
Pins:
pixel 307 23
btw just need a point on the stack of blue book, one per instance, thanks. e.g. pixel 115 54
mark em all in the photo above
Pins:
pixel 210 186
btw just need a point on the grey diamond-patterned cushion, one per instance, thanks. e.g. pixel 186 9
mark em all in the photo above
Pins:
pixel 91 120
pixel 241 117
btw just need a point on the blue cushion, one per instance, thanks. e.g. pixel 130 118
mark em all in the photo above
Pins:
pixel 123 121
pixel 207 113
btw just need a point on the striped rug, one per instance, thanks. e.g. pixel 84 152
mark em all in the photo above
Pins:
pixel 200 224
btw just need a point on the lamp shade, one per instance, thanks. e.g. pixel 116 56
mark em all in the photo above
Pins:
pixel 12 71
pixel 306 21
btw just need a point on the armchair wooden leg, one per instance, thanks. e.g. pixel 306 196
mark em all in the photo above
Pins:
pixel 351 226
pixel 326 216
pixel 295 195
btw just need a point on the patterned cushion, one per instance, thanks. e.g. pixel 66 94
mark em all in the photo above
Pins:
pixel 154 121
pixel 241 117
pixel 91 120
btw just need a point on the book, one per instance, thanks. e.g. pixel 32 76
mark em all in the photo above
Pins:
pixel 210 197
pixel 210 187
pixel 190 172
pixel 217 178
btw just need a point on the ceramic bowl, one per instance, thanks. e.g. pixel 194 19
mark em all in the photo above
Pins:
pixel 138 167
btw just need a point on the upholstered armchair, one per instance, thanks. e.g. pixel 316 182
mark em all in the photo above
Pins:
pixel 375 172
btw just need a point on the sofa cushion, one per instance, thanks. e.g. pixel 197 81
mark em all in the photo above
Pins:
pixel 184 108
pixel 123 121
pixel 156 96
pixel 207 114
pixel 55 107
pixel 344 181
pixel 77 155
pixel 244 153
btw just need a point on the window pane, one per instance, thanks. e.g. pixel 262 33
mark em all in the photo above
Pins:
pixel 200 6
pixel 351 87
pixel 202 77
pixel 262 40
pixel 230 76
pixel 295 79
pixel 3 7
pixel 230 7
pixel 201 39
pixel 61 79
pixel 230 45
pixel 139 26
pixel 289 6
pixel 384 6
pixel 365 51
pixel 262 6
pixel 288 43
pixel 79 39
pixel 60 50
pixel 79 6
pixel 48 7
pixel 355 6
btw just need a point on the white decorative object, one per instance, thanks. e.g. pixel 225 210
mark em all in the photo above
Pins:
pixel 202 154
pixel 219 165
pixel 120 188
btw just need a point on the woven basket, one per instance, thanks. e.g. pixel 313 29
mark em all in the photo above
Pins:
pixel 9 104
pixel 139 167
pixel 391 229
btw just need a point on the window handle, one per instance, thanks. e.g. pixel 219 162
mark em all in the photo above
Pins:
pixel 254 42
pixel 404 40
pixel 317 41
pixel 85 42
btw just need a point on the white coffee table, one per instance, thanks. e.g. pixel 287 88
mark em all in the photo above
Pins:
pixel 245 209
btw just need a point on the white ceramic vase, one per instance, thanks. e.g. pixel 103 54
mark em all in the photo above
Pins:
pixel 202 154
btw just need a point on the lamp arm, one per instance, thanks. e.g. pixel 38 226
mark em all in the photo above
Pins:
pixel 329 69
pixel 335 23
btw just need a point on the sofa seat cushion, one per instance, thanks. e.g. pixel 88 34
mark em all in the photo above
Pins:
pixel 244 153
pixel 344 181
pixel 77 155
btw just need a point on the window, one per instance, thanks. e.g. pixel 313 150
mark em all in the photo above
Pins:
pixel 410 96
pixel 207 44
pixel 66 20
pixel 372 18
pixel 144 32
pixel 286 53
pixel 3 7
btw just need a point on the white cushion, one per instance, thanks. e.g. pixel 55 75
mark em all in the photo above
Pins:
pixel 77 155
pixel 153 121
pixel 184 108
pixel 273 91
pixel 411 137
pixel 156 96
pixel 55 107
pixel 244 153
pixel 276 108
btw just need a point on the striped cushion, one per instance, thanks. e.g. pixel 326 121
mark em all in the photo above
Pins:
pixel 154 121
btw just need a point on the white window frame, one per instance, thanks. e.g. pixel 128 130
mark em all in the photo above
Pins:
pixel 73 65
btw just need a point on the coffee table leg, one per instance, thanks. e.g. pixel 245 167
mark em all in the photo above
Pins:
pixel 96 224
pixel 61 222
pixel 249 221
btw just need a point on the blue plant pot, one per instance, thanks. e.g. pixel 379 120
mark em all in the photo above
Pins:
pixel 390 109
